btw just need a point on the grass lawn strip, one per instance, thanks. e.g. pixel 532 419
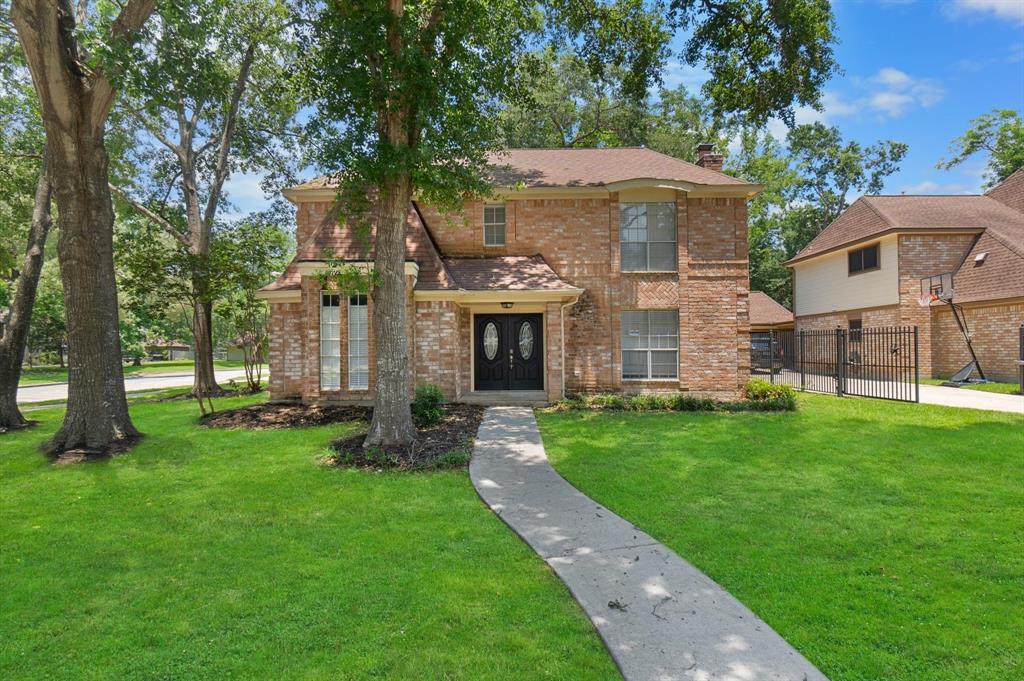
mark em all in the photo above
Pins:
pixel 883 540
pixel 212 554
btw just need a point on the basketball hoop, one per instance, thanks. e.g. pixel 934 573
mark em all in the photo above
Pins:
pixel 936 287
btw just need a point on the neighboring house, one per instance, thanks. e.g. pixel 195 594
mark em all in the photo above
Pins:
pixel 165 349
pixel 592 270
pixel 865 269
pixel 768 315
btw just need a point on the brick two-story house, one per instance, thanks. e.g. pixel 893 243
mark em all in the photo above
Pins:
pixel 865 269
pixel 591 270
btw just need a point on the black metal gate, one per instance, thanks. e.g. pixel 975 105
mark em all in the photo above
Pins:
pixel 1020 359
pixel 869 362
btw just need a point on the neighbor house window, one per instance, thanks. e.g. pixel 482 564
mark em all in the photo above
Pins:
pixel 494 225
pixel 358 343
pixel 863 259
pixel 650 344
pixel 855 328
pixel 647 237
pixel 330 341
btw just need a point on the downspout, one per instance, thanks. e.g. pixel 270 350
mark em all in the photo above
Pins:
pixel 561 320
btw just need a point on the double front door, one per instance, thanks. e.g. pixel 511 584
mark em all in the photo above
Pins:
pixel 508 352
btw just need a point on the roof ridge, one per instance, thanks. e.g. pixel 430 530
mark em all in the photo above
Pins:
pixel 873 210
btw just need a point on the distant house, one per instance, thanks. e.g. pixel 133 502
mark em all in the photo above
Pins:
pixel 168 350
pixel 768 315
pixel 590 270
pixel 865 269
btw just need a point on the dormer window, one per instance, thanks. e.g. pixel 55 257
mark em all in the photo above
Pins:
pixel 494 224
pixel 863 259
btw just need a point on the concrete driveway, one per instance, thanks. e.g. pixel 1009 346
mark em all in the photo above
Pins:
pixel 971 399
pixel 59 391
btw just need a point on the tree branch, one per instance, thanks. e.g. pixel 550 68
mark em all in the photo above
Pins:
pixel 158 220
pixel 224 153
pixel 132 18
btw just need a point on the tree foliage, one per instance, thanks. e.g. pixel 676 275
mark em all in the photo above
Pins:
pixel 1000 134
pixel 765 57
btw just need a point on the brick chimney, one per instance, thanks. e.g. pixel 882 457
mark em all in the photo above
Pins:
pixel 707 158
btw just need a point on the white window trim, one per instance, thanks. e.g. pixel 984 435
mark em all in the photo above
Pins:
pixel 675 241
pixel 323 295
pixel 366 340
pixel 503 224
pixel 648 350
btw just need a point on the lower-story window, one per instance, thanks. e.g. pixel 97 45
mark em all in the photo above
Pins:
pixel 650 344
pixel 330 341
pixel 358 343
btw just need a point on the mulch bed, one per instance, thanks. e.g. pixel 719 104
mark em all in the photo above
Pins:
pixel 448 444
pixel 268 415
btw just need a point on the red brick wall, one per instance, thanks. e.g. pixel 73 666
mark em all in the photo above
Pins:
pixel 922 255
pixel 579 238
pixel 284 351
pixel 995 330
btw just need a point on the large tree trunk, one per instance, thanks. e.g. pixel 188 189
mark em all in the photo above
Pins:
pixel 15 338
pixel 392 419
pixel 97 417
pixel 204 381
pixel 75 101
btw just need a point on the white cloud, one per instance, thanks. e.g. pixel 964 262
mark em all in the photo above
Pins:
pixel 930 187
pixel 892 92
pixel 1010 10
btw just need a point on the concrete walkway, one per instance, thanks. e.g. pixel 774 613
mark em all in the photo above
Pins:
pixel 59 391
pixel 972 399
pixel 661 618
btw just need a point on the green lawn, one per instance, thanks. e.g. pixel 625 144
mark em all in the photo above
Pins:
pixel 54 374
pixel 1004 388
pixel 233 554
pixel 884 540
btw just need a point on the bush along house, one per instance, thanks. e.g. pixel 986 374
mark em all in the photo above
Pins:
pixel 592 270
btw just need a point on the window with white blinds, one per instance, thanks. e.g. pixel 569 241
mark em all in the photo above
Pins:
pixel 494 225
pixel 650 344
pixel 358 343
pixel 330 341
pixel 647 237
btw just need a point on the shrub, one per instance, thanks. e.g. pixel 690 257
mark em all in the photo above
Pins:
pixel 764 396
pixel 426 406
pixel 759 396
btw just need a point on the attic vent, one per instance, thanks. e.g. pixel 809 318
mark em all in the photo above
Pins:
pixel 980 258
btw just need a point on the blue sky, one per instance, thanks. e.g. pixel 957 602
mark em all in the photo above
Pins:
pixel 916 71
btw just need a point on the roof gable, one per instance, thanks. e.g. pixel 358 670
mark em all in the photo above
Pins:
pixel 764 311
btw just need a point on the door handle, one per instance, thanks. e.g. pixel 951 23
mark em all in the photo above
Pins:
pixel 510 356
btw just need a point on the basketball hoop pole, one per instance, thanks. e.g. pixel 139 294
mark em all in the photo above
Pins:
pixel 940 287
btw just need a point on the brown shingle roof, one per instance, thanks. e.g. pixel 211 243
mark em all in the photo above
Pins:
pixel 339 241
pixel 999 275
pixel 579 168
pixel 596 167
pixel 871 216
pixel 1010 191
pixel 764 311
pixel 504 273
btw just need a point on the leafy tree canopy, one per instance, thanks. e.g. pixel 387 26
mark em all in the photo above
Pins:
pixel 1000 134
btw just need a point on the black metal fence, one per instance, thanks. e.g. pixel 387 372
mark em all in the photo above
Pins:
pixel 1020 359
pixel 869 362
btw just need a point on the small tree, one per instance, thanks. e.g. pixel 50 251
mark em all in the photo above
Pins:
pixel 252 252
pixel 1000 134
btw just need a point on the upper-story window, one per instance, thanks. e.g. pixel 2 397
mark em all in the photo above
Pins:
pixel 494 224
pixel 647 237
pixel 863 259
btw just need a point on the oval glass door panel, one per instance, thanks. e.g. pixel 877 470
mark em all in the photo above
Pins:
pixel 491 340
pixel 525 340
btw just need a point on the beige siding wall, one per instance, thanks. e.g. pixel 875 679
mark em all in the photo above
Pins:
pixel 823 285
